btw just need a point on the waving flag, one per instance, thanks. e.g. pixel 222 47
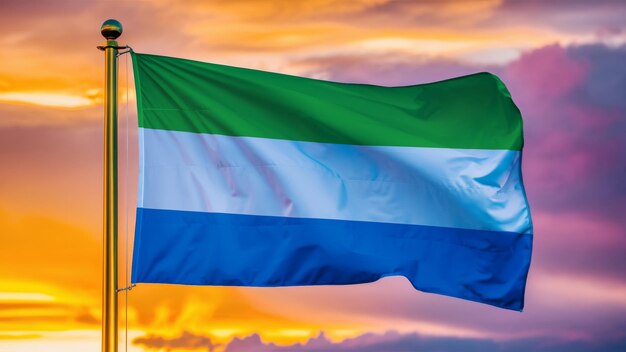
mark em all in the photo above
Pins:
pixel 252 178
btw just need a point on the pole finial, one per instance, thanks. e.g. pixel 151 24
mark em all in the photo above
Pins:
pixel 111 29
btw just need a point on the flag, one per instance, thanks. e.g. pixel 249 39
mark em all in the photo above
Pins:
pixel 252 178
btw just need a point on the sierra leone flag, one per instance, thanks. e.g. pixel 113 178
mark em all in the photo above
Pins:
pixel 251 178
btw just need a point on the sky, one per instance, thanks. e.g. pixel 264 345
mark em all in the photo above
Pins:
pixel 563 62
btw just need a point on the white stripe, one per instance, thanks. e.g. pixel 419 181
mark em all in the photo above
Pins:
pixel 461 188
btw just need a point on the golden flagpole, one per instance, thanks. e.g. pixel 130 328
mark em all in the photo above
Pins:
pixel 111 30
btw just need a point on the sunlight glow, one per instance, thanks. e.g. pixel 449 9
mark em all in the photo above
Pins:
pixel 26 296
pixel 225 334
pixel 431 46
pixel 57 100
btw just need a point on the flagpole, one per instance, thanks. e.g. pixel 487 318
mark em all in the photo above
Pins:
pixel 111 30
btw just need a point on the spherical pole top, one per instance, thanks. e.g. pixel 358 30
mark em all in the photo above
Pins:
pixel 111 29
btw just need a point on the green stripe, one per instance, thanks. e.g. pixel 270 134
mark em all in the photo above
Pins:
pixel 472 112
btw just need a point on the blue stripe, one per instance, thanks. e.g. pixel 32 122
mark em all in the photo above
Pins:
pixel 197 248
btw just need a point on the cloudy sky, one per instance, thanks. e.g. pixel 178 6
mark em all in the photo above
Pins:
pixel 563 61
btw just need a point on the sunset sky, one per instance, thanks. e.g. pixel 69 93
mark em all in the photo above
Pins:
pixel 563 61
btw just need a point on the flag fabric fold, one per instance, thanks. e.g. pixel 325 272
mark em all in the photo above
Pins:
pixel 252 178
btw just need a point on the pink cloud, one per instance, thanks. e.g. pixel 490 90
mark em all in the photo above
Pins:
pixel 544 75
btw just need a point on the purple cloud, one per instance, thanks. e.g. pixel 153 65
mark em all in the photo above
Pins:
pixel 575 120
pixel 573 16
pixel 390 341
